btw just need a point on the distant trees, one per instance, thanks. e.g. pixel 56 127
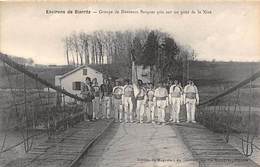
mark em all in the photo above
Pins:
pixel 150 53
pixel 98 47
pixel 149 48
pixel 165 56
pixel 22 60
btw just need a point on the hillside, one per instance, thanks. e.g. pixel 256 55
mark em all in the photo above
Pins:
pixel 45 72
pixel 227 71
pixel 205 73
pixel 202 72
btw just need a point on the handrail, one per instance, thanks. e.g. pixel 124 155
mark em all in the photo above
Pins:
pixel 239 85
pixel 5 58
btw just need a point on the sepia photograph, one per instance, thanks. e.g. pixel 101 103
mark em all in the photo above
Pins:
pixel 130 83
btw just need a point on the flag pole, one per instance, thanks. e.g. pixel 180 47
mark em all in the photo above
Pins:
pixel 134 69
pixel 134 75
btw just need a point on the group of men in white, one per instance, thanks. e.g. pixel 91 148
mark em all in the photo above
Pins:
pixel 153 102
pixel 127 102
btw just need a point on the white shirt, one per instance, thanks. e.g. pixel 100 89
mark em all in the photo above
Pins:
pixel 191 89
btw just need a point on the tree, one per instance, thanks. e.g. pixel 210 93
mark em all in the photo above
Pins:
pixel 186 55
pixel 160 53
pixel 170 62
pixel 66 41
pixel 153 48
pixel 76 47
pixel 137 50
pixel 83 48
pixel 150 53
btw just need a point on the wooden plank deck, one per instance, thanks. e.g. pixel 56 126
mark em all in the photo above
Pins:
pixel 210 149
pixel 65 148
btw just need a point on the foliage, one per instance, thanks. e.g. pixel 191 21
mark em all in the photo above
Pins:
pixel 149 48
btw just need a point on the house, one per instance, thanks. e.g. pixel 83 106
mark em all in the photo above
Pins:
pixel 144 73
pixel 122 71
pixel 72 80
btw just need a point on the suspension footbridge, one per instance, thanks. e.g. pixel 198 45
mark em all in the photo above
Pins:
pixel 51 132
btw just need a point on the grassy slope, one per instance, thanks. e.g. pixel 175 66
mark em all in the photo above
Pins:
pixel 222 71
pixel 204 73
pixel 47 73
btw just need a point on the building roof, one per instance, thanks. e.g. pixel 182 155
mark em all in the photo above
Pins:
pixel 77 69
pixel 108 70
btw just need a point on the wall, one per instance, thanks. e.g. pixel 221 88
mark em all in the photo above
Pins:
pixel 57 80
pixel 78 76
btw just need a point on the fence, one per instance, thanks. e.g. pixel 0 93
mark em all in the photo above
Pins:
pixel 235 112
pixel 32 106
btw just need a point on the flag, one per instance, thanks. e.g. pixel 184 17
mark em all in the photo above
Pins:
pixel 134 79
pixel 134 74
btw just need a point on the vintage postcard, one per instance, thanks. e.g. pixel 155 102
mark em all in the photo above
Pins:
pixel 129 83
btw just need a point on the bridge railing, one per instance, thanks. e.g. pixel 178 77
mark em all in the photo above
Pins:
pixel 235 112
pixel 31 106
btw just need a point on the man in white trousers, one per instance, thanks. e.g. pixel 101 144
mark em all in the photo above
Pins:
pixel 87 95
pixel 191 99
pixel 139 92
pixel 175 100
pixel 127 99
pixel 161 101
pixel 117 101
pixel 150 103
pixel 96 100
pixel 106 91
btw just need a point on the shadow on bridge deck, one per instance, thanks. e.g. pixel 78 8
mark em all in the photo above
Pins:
pixel 65 149
pixel 137 145
pixel 210 149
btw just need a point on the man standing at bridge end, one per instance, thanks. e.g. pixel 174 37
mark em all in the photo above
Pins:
pixel 87 95
pixel 175 100
pixel 96 100
pixel 161 101
pixel 106 91
pixel 139 92
pixel 117 101
pixel 191 99
pixel 127 99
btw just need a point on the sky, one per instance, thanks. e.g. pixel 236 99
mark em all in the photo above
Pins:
pixel 228 32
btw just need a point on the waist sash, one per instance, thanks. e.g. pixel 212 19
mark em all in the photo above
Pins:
pixel 150 98
pixel 140 98
pixel 117 96
pixel 106 94
pixel 160 98
pixel 176 94
pixel 190 95
pixel 96 94
pixel 129 94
